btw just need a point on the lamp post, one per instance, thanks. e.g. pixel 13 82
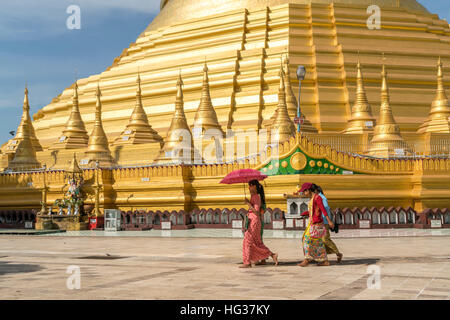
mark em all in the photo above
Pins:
pixel 44 192
pixel 301 73
pixel 97 189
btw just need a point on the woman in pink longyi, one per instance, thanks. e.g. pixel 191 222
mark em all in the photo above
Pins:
pixel 253 248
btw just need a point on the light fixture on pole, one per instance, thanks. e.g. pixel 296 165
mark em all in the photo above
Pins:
pixel 301 73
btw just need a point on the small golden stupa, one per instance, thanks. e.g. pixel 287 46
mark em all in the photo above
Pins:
pixel 98 146
pixel 387 138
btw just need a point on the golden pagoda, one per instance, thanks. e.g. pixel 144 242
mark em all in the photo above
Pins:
pixel 362 120
pixel 245 64
pixel 13 143
pixel 241 88
pixel 387 138
pixel 98 146
pixel 74 135
pixel 172 151
pixel 283 127
pixel 138 130
pixel 439 119
pixel 205 116
pixel 24 153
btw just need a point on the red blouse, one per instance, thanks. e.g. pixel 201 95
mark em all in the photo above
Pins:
pixel 318 210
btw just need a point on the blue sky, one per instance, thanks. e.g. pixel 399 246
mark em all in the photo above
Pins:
pixel 36 46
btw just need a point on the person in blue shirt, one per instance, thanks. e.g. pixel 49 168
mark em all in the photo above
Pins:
pixel 329 244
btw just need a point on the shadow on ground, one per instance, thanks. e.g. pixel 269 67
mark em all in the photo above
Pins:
pixel 7 267
pixel 347 262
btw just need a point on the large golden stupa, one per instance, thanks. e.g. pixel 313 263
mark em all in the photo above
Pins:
pixel 373 103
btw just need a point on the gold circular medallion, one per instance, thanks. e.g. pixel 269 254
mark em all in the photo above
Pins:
pixel 312 163
pixel 298 161
pixel 332 167
pixel 265 169
pixel 337 169
pixel 325 165
pixel 277 165
pixel 319 163
pixel 270 167
pixel 284 164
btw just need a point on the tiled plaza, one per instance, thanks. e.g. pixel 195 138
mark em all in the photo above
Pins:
pixel 203 264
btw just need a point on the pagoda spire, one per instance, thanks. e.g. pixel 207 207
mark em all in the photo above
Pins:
pixel 387 138
pixel 98 149
pixel 74 135
pixel 178 130
pixel 361 119
pixel 138 130
pixel 283 125
pixel 22 145
pixel 439 118
pixel 206 117
pixel 291 102
pixel 26 115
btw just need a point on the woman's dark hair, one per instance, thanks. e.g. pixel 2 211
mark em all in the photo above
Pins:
pixel 260 191
pixel 316 189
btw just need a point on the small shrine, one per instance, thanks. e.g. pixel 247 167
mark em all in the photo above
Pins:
pixel 71 213
pixel 296 205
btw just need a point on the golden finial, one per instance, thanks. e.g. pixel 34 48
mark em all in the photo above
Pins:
pixel 386 116
pixel 439 118
pixel 180 87
pixel 361 119
pixel 26 102
pixel 74 168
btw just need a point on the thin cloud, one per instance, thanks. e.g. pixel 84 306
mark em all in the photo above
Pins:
pixel 31 19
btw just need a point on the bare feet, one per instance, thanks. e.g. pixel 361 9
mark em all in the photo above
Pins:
pixel 260 263
pixel 325 263
pixel 245 266
pixel 304 263
pixel 275 258
pixel 339 257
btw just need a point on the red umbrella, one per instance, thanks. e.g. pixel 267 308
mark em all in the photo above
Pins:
pixel 243 176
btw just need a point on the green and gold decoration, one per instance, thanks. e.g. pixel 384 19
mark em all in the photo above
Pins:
pixel 297 162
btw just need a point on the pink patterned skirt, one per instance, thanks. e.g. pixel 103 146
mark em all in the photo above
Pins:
pixel 253 247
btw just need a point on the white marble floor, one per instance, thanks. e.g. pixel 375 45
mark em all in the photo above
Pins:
pixel 268 234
